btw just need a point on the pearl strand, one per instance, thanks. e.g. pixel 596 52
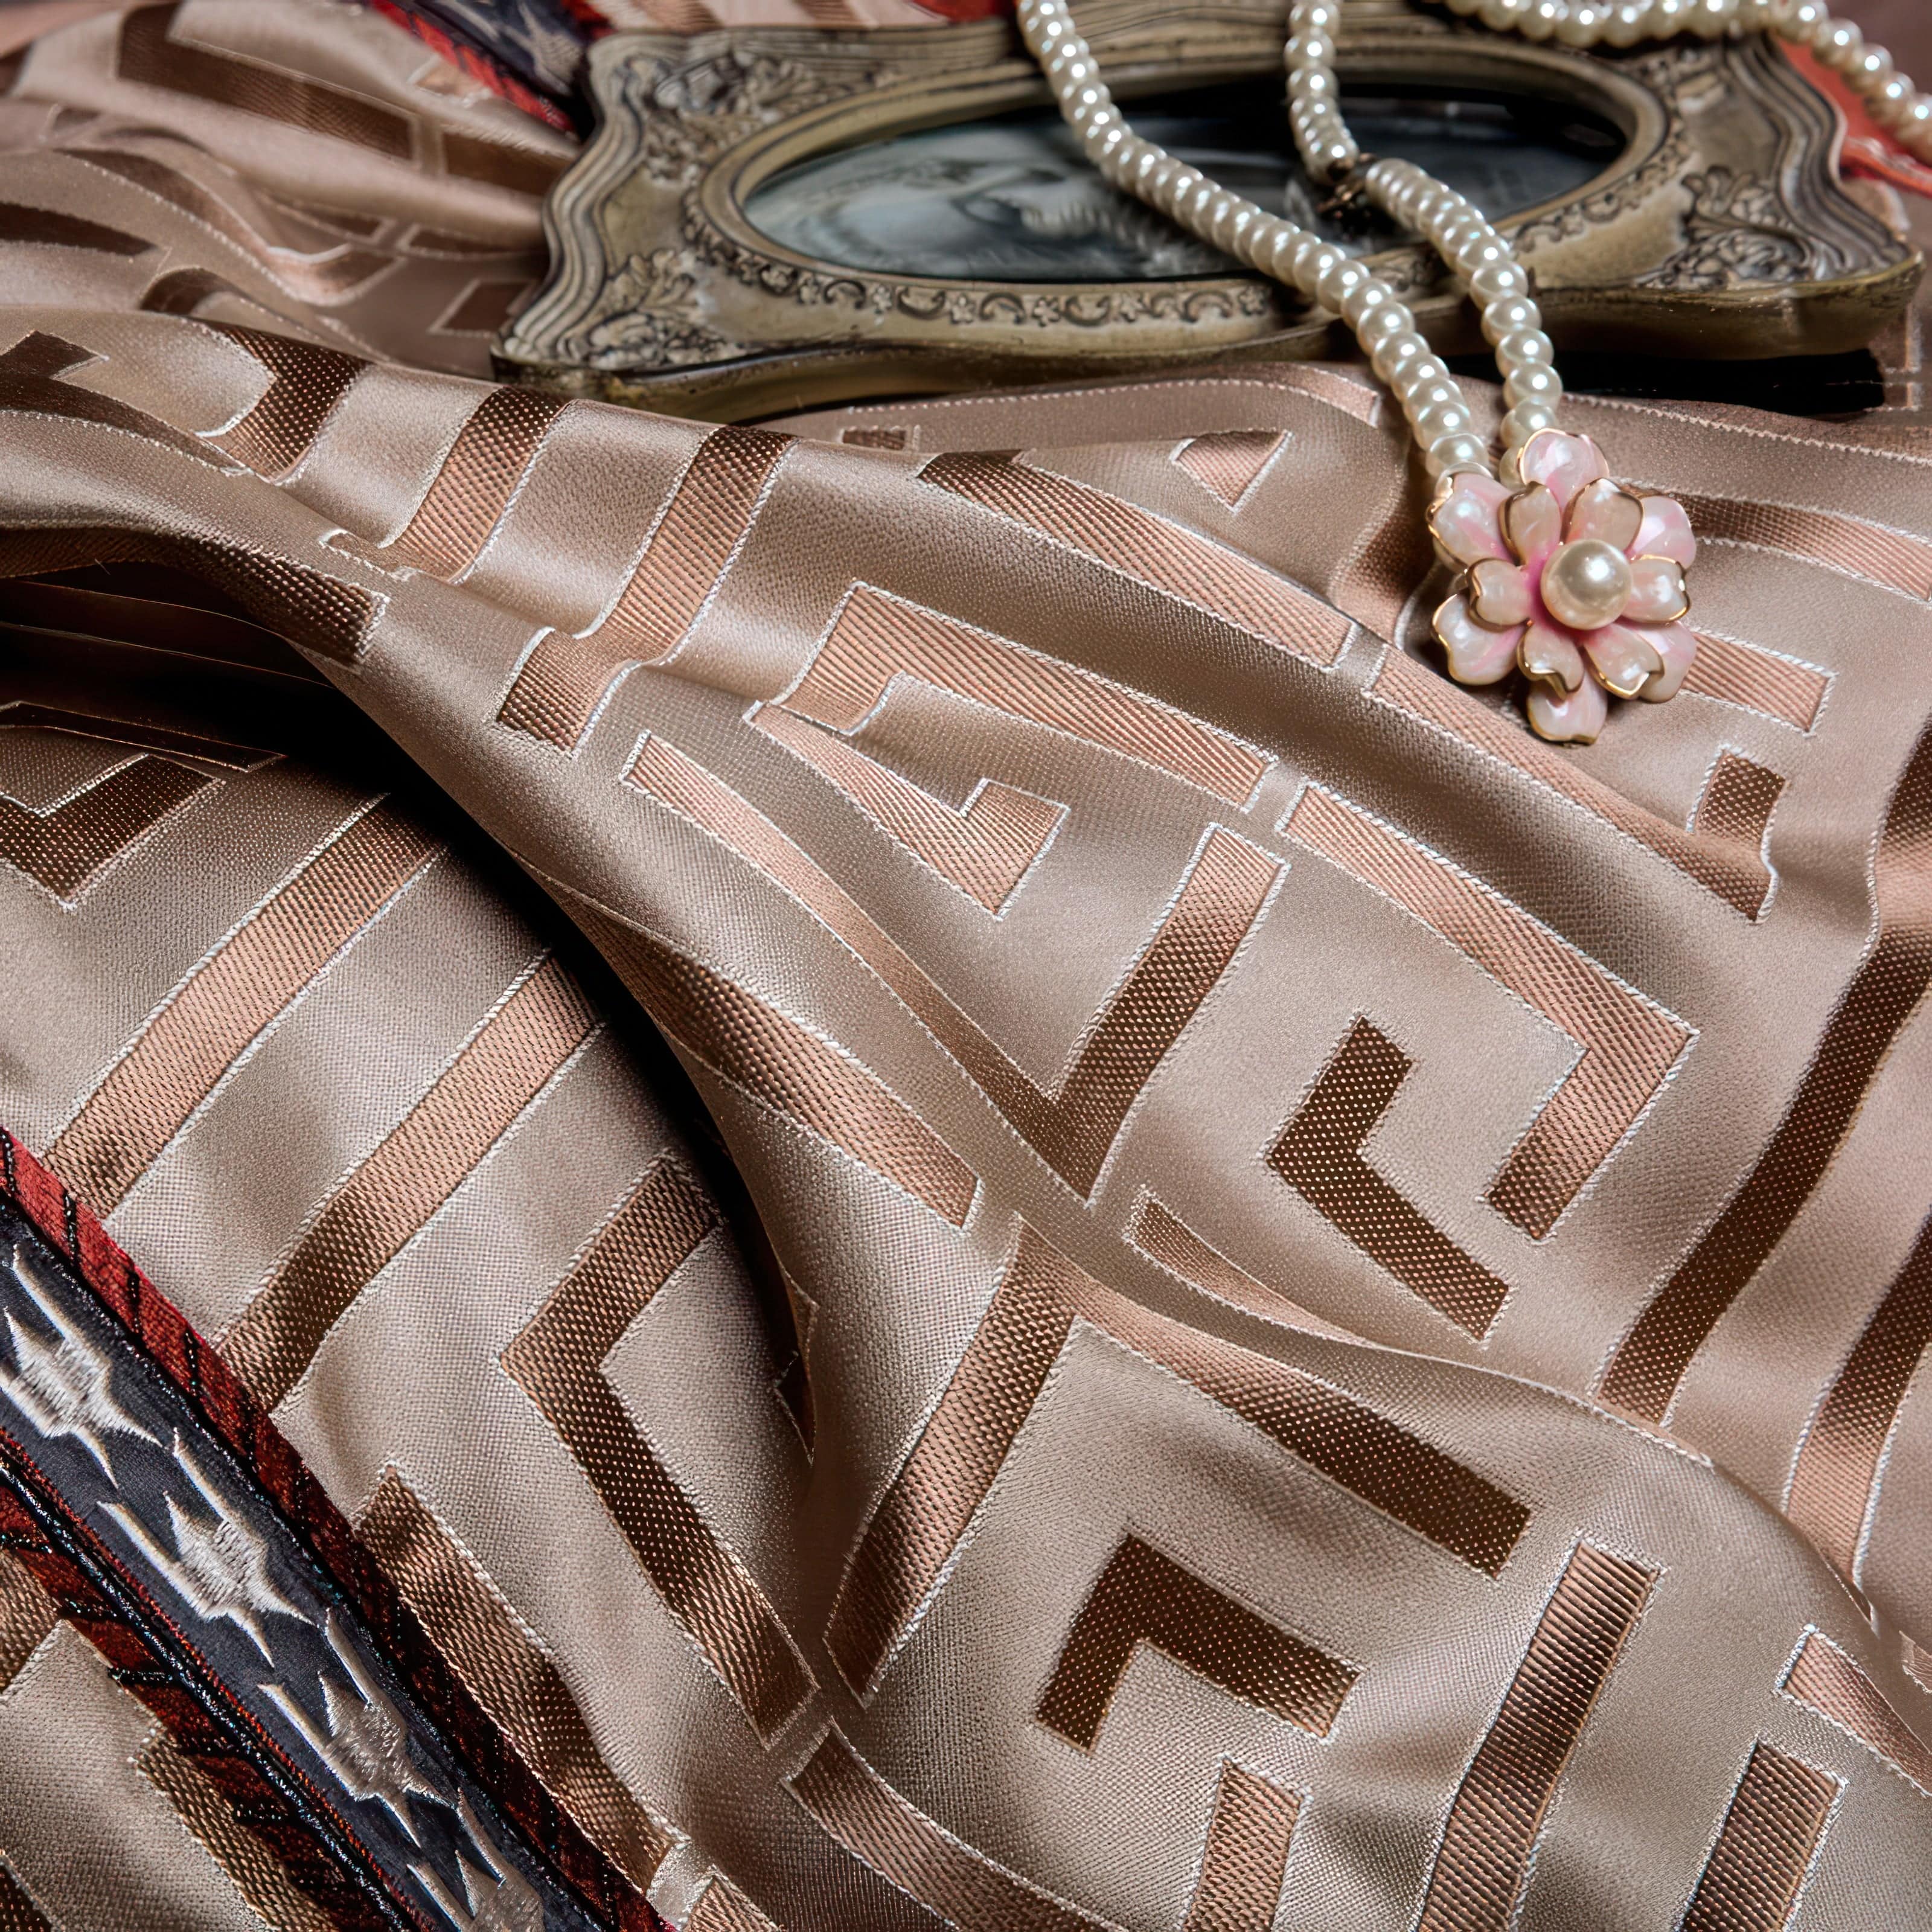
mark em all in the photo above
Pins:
pixel 1893 102
pixel 1382 324
pixel 1474 249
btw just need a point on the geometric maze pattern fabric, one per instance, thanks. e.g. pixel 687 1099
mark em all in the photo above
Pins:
pixel 867 1172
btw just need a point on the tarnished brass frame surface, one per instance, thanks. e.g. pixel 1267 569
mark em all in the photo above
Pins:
pixel 1720 230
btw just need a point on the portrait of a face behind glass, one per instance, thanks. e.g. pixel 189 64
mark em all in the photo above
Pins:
pixel 1013 198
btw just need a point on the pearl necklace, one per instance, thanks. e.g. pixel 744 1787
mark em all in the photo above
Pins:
pixel 1563 577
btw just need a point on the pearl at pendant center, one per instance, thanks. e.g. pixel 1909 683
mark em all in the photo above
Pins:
pixel 1587 583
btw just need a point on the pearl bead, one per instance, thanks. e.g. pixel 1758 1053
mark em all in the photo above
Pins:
pixel 1892 96
pixel 1334 158
pixel 1397 352
pixel 1544 18
pixel 1431 369
pixel 1526 345
pixel 1339 283
pixel 1495 281
pixel 1385 320
pixel 1430 391
pixel 1524 421
pixel 1586 584
pixel 1839 44
pixel 1363 300
pixel 1537 383
pixel 1451 455
pixel 1805 21
pixel 1628 24
pixel 1872 69
pixel 1448 419
pixel 1309 270
pixel 1488 250
pixel 1510 316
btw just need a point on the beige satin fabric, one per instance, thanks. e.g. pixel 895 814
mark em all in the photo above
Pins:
pixel 1251 1301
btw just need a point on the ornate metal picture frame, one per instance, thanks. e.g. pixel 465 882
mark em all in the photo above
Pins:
pixel 1710 222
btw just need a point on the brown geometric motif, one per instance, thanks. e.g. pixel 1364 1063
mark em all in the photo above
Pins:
pixel 27 1615
pixel 960 1886
pixel 337 274
pixel 1490 1840
pixel 30 374
pixel 373 1215
pixel 876 638
pixel 1228 463
pixel 306 382
pixel 149 55
pixel 1644 1373
pixel 1143 1596
pixel 1170 1244
pixel 66 847
pixel 1849 544
pixel 1825 1680
pixel 1134 543
pixel 1714 856
pixel 1834 1479
pixel 48 228
pixel 1072 1126
pixel 928 1505
pixel 18 1912
pixel 1757 680
pixel 1771 1831
pixel 985 847
pixel 1319 1155
pixel 474 483
pixel 564 680
pixel 1628 1045
pixel 557 1360
pixel 1246 1857
pixel 768 1054
pixel 251 1864
pixel 722 1907
pixel 185 1048
pixel 1736 805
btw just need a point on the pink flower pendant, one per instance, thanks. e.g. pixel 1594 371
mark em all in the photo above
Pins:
pixel 1569 578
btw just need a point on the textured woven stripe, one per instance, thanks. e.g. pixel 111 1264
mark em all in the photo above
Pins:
pixel 1147 548
pixel 474 483
pixel 1835 1480
pixel 1144 1596
pixel 962 1888
pixel 1738 877
pixel 1823 1678
pixel 768 1054
pixel 1777 1815
pixel 1644 1374
pixel 1319 1154
pixel 176 1061
pixel 509 1674
pixel 1756 680
pixel 385 1203
pixel 307 382
pixel 1847 544
pixel 1492 1832
pixel 558 1361
pixel 1629 1045
pixel 1245 1857
pixel 564 680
